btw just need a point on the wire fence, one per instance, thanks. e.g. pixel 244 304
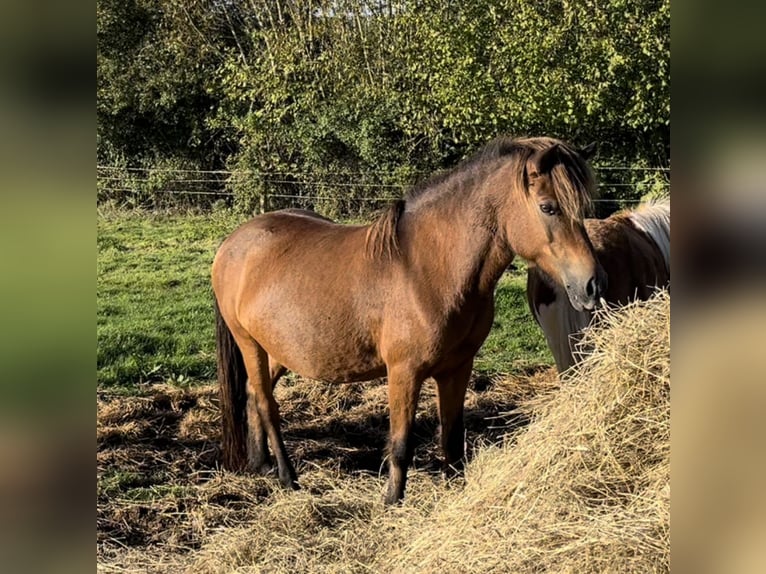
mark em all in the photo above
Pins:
pixel 336 193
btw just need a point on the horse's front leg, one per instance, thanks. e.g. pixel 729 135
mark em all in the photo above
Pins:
pixel 403 393
pixel 451 388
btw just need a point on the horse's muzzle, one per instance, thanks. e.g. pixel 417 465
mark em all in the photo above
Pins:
pixel 586 296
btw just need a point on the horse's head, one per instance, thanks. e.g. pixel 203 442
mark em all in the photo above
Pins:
pixel 557 185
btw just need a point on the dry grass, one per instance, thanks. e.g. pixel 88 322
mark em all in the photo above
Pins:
pixel 583 487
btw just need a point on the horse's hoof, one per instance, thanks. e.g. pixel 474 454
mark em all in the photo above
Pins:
pixel 392 497
pixel 289 482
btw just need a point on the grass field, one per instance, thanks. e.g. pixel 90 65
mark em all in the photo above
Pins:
pixel 155 319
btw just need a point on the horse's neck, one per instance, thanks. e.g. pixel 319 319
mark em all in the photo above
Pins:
pixel 456 244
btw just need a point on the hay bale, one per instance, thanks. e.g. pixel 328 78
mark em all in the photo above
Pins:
pixel 584 488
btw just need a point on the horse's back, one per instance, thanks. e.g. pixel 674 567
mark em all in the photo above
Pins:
pixel 298 284
pixel 281 239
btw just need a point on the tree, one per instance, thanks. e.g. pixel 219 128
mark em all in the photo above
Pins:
pixel 386 89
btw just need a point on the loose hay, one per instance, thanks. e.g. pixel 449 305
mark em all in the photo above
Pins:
pixel 584 487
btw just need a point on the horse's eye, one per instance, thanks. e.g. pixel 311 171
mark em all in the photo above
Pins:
pixel 548 208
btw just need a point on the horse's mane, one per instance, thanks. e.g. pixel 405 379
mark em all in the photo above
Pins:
pixel 653 218
pixel 382 236
pixel 573 185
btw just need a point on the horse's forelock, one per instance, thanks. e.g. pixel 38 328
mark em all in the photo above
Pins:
pixel 573 184
pixel 572 179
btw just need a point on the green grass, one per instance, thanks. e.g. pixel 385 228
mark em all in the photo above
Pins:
pixel 138 487
pixel 516 343
pixel 154 303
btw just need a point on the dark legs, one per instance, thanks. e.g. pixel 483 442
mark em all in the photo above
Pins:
pixel 258 460
pixel 263 415
pixel 451 389
pixel 403 392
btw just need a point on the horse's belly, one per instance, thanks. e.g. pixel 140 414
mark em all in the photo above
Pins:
pixel 332 368
pixel 318 346
pixel 316 362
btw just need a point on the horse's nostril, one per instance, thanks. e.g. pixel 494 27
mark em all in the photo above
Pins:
pixel 591 288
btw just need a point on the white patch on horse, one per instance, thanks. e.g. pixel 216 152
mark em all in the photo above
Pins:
pixel 558 319
pixel 653 218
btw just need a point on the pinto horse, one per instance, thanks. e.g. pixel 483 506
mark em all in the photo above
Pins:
pixel 409 296
pixel 633 247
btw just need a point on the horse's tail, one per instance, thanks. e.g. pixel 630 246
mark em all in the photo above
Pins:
pixel 653 218
pixel 232 381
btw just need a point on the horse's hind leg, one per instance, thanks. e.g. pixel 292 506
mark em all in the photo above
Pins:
pixel 451 389
pixel 258 460
pixel 275 371
pixel 263 413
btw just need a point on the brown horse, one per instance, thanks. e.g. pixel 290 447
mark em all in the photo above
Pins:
pixel 633 247
pixel 409 296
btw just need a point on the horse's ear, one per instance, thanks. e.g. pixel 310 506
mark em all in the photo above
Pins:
pixel 588 151
pixel 545 160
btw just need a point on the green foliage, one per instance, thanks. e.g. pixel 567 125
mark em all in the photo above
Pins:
pixel 382 90
pixel 155 82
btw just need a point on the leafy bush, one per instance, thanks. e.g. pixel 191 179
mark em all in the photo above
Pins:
pixel 313 93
